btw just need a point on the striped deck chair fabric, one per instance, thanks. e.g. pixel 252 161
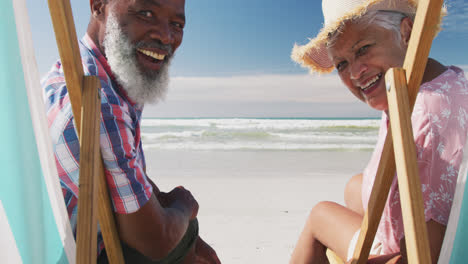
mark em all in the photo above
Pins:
pixel 454 249
pixel 34 223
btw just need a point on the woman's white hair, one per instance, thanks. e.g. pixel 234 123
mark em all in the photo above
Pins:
pixel 390 20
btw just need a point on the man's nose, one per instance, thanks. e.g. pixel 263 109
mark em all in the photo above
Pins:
pixel 161 31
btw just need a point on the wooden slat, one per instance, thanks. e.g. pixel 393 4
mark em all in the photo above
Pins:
pixel 86 243
pixel 333 258
pixel 424 30
pixel 424 27
pixel 378 197
pixel 106 218
pixel 67 43
pixel 105 213
pixel 409 183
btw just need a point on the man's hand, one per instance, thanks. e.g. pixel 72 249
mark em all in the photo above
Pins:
pixel 181 198
pixel 204 254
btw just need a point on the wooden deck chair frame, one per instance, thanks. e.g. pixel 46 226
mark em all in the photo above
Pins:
pixel 86 106
pixel 401 97
pixel 402 88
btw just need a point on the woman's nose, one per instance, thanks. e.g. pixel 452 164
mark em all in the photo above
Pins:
pixel 357 69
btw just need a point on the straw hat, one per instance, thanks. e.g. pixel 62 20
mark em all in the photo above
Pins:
pixel 314 54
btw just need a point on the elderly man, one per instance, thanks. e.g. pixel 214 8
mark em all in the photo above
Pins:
pixel 129 45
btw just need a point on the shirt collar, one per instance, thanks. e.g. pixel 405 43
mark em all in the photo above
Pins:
pixel 89 43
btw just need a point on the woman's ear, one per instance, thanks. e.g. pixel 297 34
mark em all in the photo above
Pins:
pixel 406 27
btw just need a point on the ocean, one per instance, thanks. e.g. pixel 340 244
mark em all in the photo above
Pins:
pixel 256 178
pixel 260 134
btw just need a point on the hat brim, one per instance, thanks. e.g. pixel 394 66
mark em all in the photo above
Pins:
pixel 314 54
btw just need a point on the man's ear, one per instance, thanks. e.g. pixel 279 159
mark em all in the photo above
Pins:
pixel 97 8
pixel 406 27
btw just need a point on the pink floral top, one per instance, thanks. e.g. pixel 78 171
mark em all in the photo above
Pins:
pixel 440 125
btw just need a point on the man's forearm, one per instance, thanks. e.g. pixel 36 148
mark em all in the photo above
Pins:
pixel 156 190
pixel 153 230
pixel 175 225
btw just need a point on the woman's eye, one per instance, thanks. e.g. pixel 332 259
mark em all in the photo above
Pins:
pixel 147 14
pixel 362 50
pixel 341 66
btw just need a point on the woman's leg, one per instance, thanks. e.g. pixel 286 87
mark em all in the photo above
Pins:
pixel 352 194
pixel 329 225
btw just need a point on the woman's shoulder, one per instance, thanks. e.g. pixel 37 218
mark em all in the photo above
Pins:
pixel 452 81
pixel 442 101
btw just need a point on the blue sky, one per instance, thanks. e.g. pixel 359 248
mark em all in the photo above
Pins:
pixel 235 59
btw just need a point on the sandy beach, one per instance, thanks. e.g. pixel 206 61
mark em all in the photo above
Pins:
pixel 253 204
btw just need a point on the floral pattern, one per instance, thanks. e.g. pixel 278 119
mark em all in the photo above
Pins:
pixel 440 126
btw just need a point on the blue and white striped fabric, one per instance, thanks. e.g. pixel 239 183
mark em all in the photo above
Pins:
pixel 34 226
pixel 456 236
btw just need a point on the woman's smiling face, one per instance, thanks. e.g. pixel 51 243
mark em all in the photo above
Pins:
pixel 362 54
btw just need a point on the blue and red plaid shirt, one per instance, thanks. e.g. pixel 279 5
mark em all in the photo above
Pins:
pixel 120 138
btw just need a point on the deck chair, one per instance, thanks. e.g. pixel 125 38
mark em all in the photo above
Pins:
pixel 456 236
pixel 86 106
pixel 33 218
pixel 402 88
pixel 399 152
pixel 34 224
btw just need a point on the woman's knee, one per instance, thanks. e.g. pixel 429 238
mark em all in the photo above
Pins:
pixel 316 217
pixel 352 194
pixel 320 211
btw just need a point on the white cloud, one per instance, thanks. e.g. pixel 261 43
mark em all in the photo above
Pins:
pixel 457 18
pixel 259 96
pixel 261 88
pixel 464 68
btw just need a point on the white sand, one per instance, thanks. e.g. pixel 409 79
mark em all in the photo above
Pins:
pixel 253 205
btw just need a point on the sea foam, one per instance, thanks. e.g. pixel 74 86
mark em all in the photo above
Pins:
pixel 260 134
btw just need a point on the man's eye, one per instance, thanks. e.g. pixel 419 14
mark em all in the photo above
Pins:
pixel 147 14
pixel 341 66
pixel 177 24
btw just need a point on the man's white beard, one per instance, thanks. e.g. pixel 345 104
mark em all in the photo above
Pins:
pixel 141 87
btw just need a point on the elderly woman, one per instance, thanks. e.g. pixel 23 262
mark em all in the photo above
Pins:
pixel 362 39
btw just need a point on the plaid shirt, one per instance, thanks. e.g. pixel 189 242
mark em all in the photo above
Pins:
pixel 120 138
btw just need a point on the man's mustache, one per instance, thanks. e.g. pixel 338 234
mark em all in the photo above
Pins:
pixel 155 45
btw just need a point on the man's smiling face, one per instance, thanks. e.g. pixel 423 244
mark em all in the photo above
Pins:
pixel 139 40
pixel 155 27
